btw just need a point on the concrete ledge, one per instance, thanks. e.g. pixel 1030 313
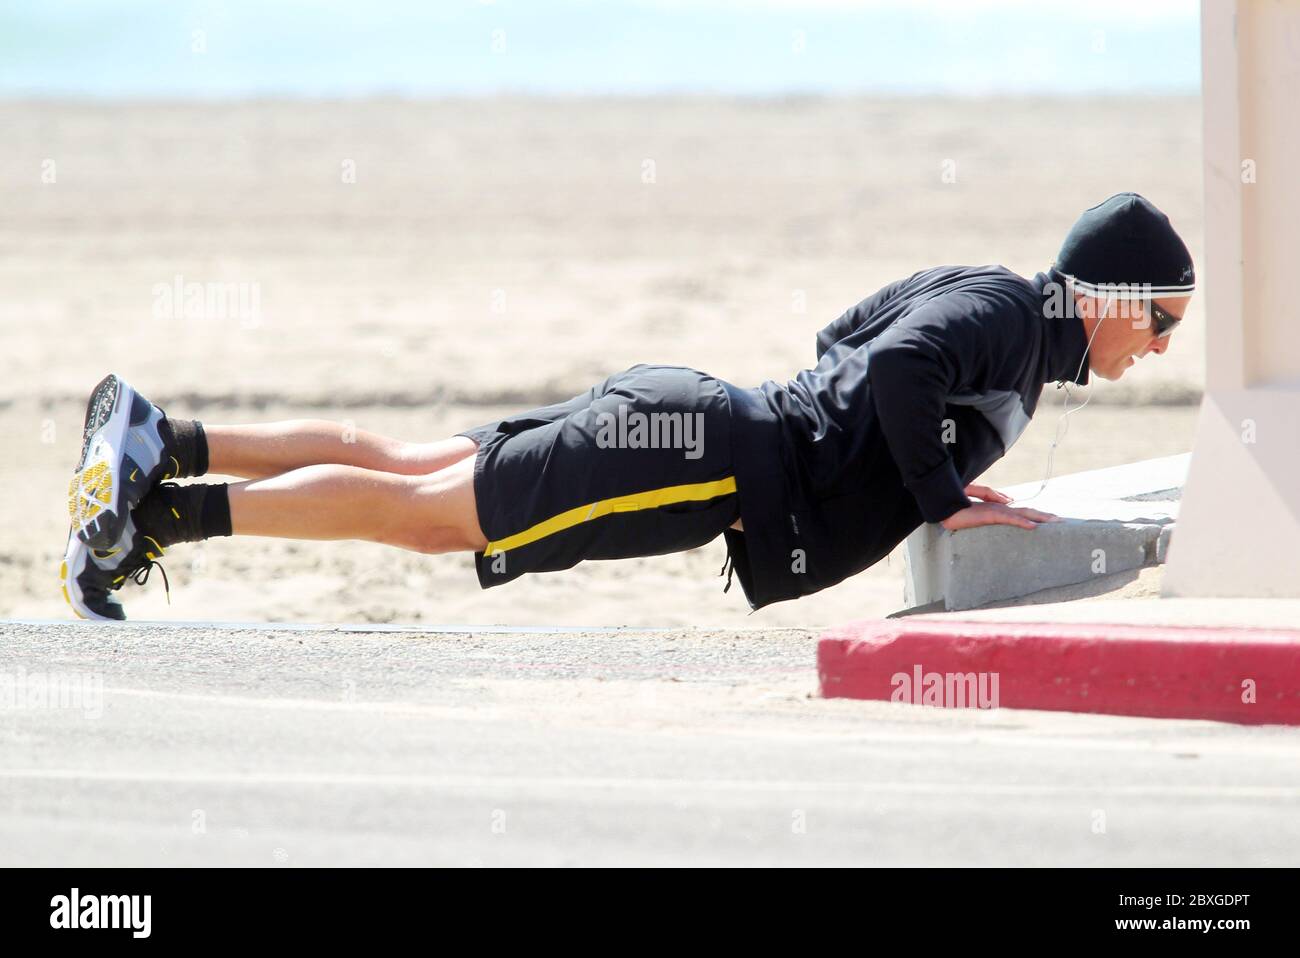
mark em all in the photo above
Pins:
pixel 1116 520
pixel 1151 671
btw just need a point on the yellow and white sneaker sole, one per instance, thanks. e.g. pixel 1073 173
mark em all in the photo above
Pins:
pixel 71 568
pixel 120 461
pixel 94 490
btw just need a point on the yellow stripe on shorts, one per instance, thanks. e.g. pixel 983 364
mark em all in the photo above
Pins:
pixel 667 496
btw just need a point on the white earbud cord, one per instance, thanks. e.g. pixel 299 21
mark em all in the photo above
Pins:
pixel 1066 411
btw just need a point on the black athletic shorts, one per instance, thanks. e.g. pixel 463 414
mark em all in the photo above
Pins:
pixel 639 465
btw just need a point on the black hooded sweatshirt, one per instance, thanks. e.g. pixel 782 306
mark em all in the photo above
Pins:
pixel 917 390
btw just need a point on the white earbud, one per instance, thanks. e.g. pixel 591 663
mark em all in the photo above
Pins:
pixel 1066 411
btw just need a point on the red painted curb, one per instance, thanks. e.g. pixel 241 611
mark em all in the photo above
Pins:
pixel 1157 672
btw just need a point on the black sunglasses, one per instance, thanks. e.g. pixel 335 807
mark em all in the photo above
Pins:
pixel 1165 321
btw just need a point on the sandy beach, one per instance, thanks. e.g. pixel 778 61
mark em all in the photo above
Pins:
pixel 418 267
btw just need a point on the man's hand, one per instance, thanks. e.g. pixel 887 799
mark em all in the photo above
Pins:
pixel 995 514
pixel 986 493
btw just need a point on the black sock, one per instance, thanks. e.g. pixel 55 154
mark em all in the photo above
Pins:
pixel 185 439
pixel 214 514
pixel 171 513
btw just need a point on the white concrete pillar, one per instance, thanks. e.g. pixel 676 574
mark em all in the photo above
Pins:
pixel 1238 531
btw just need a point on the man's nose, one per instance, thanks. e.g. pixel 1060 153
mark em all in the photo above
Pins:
pixel 1158 344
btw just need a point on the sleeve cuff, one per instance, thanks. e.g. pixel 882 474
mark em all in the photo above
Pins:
pixel 940 492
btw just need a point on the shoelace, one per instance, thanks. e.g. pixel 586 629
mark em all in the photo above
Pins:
pixel 141 575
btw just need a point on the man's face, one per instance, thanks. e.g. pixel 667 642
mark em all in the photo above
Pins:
pixel 1127 332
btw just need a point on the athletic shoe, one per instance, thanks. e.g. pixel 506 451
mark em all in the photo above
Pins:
pixel 123 454
pixel 90 576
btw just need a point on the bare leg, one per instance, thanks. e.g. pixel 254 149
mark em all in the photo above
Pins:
pixel 269 449
pixel 425 513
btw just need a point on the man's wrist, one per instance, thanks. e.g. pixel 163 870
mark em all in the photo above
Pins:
pixel 940 493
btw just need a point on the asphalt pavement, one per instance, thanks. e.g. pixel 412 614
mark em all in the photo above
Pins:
pixel 155 744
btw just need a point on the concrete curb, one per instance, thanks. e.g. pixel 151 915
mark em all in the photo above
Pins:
pixel 978 566
pixel 1113 520
pixel 1154 672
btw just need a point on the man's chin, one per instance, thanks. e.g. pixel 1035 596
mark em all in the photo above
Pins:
pixel 1109 374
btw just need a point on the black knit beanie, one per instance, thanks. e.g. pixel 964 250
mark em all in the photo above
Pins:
pixel 1127 247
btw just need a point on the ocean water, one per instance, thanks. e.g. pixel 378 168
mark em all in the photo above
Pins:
pixel 242 48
